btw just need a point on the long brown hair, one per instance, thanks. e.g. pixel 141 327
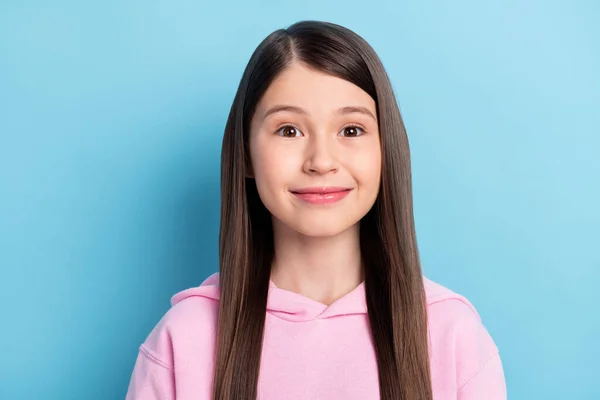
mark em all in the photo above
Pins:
pixel 394 285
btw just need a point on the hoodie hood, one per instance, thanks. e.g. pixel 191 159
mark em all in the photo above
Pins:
pixel 286 304
pixel 295 307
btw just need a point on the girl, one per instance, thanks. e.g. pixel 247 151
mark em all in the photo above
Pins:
pixel 320 293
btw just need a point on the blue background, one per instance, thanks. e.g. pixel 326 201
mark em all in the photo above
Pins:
pixel 111 119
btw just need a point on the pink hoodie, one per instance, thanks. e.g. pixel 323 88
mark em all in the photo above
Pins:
pixel 313 351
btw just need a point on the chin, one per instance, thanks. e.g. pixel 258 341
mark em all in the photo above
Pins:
pixel 322 228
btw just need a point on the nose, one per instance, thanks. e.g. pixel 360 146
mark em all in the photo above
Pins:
pixel 321 157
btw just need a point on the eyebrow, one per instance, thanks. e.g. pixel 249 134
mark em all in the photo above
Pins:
pixel 298 110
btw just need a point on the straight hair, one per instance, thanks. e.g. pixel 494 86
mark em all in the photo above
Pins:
pixel 394 286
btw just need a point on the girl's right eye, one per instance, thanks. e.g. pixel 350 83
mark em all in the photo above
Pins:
pixel 289 131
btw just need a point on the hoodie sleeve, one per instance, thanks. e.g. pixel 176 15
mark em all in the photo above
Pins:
pixel 177 356
pixel 488 382
pixel 153 375
pixel 152 378
pixel 480 373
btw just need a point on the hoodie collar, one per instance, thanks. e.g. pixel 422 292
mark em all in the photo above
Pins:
pixel 292 306
pixel 288 305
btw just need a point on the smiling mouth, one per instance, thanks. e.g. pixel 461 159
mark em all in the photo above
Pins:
pixel 321 195
pixel 321 190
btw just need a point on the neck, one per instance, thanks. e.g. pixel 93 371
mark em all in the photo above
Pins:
pixel 320 268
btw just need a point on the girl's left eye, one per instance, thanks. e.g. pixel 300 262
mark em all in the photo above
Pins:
pixel 352 131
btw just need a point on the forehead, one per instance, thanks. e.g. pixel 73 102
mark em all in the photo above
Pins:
pixel 316 92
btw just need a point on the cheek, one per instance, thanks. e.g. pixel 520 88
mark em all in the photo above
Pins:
pixel 367 165
pixel 274 166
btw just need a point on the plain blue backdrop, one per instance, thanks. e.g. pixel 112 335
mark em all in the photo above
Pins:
pixel 111 119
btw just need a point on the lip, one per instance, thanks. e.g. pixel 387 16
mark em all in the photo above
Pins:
pixel 322 194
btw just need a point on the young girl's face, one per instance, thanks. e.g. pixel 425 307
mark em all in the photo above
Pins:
pixel 317 163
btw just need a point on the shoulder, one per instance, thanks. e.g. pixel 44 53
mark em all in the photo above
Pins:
pixel 458 335
pixel 450 312
pixel 190 324
pixel 446 307
pixel 195 307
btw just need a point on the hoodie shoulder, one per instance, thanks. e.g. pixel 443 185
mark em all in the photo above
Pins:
pixel 454 323
pixel 449 311
pixel 208 289
pixel 439 296
pixel 189 323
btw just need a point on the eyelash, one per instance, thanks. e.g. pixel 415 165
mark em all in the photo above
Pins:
pixel 345 127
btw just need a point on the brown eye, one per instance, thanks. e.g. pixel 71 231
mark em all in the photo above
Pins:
pixel 289 131
pixel 352 131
